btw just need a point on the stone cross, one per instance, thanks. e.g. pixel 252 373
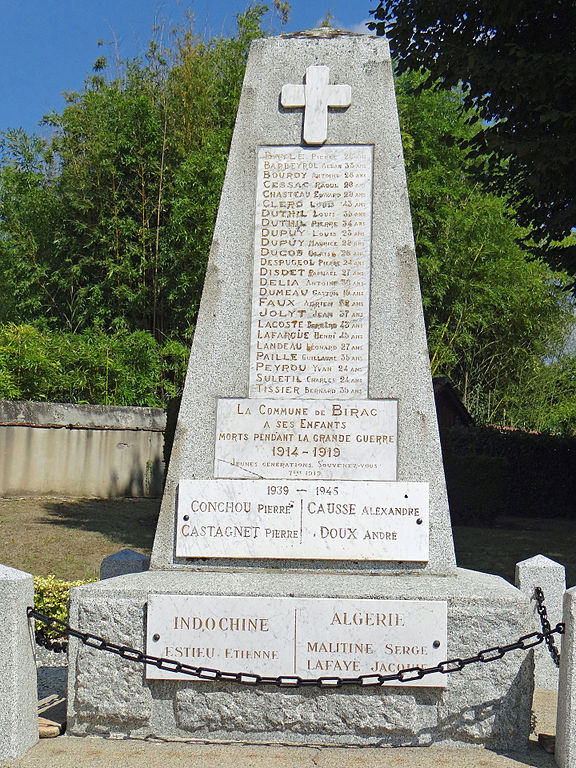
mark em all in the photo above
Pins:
pixel 316 96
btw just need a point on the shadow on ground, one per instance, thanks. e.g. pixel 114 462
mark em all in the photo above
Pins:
pixel 128 522
pixel 70 537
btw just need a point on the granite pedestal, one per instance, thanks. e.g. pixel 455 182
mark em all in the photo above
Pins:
pixel 488 704
pixel 18 701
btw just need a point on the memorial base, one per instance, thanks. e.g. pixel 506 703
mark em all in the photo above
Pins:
pixel 486 704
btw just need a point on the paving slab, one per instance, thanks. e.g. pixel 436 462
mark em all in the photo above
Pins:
pixel 92 752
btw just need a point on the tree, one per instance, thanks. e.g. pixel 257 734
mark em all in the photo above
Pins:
pixel 29 212
pixel 517 61
pixel 108 224
pixel 545 399
pixel 493 312
pixel 282 8
pixel 105 231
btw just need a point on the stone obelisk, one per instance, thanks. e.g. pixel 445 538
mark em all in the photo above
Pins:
pixel 304 528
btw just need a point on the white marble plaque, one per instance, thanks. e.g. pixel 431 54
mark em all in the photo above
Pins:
pixel 305 637
pixel 311 286
pixel 302 519
pixel 349 439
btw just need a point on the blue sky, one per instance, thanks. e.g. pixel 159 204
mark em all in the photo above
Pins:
pixel 49 46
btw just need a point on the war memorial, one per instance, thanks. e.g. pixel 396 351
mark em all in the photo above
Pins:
pixel 304 534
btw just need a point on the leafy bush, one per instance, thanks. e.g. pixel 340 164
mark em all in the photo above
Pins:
pixel 51 598
pixel 91 367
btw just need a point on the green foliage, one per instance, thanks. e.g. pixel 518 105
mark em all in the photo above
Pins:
pixel 29 209
pixel 108 224
pixel 91 367
pixel 282 8
pixel 545 399
pixel 51 598
pixel 518 62
pixel 493 313
pixel 505 472
pixel 105 230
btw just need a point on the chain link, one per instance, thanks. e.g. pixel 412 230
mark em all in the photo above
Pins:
pixel 57 646
pixel 287 681
pixel 548 637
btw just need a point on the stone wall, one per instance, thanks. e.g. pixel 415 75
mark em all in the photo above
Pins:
pixel 80 450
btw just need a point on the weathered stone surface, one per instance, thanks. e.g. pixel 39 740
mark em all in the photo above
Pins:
pixel 398 357
pixel 18 703
pixel 506 688
pixel 487 703
pixel 550 576
pixel 108 691
pixel 81 415
pixel 309 715
pixel 50 449
pixel 566 714
pixel 123 562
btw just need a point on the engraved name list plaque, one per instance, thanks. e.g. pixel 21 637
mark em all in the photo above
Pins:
pixel 311 288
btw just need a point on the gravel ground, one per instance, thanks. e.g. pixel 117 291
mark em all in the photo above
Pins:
pixel 52 677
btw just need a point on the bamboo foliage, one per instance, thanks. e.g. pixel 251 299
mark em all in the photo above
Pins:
pixel 128 187
pixel 105 230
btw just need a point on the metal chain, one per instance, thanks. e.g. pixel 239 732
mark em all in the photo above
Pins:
pixel 287 681
pixel 57 646
pixel 548 637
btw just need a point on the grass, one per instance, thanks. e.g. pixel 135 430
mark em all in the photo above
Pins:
pixel 70 537
pixel 497 549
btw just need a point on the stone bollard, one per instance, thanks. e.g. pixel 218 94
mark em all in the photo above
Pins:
pixel 18 696
pixel 540 571
pixel 123 562
pixel 566 717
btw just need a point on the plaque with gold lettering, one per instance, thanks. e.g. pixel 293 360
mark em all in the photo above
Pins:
pixel 349 439
pixel 294 519
pixel 311 286
pixel 306 637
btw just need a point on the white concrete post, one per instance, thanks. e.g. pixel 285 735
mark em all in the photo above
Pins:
pixel 566 718
pixel 540 571
pixel 18 696
pixel 123 562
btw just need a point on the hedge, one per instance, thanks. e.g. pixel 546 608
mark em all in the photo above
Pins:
pixel 494 472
